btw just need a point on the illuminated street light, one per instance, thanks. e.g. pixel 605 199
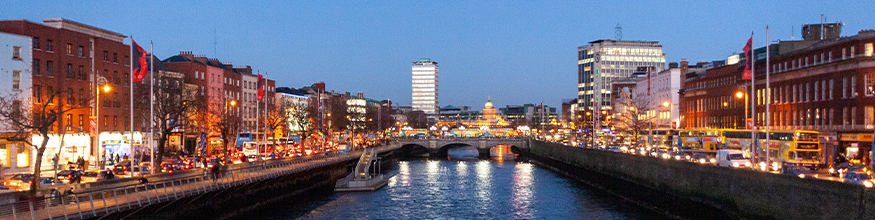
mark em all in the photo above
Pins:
pixel 665 104
pixel 106 88
pixel 725 104
pixel 739 94
pixel 233 102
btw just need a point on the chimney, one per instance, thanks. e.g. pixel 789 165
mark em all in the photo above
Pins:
pixel 672 65
pixel 228 65
pixel 685 66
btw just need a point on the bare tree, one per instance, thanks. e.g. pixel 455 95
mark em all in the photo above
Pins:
pixel 23 118
pixel 416 119
pixel 224 119
pixel 173 102
pixel 300 115
pixel 277 116
pixel 633 119
pixel 336 106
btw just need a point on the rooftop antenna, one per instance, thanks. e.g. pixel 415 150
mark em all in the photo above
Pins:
pixel 792 32
pixel 618 32
pixel 215 42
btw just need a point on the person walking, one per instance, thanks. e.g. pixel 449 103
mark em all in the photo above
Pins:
pixel 81 163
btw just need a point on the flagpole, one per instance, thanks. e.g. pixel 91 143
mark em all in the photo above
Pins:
pixel 131 95
pixel 264 91
pixel 649 108
pixel 152 105
pixel 753 96
pixel 768 98
pixel 257 111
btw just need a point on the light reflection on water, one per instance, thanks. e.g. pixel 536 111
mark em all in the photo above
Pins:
pixel 429 189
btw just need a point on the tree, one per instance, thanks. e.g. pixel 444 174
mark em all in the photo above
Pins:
pixel 278 115
pixel 336 106
pixel 632 119
pixel 300 113
pixel 23 120
pixel 416 119
pixel 225 120
pixel 172 105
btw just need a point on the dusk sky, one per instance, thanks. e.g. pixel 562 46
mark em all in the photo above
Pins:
pixel 516 51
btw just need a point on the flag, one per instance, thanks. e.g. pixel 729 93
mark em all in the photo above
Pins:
pixel 203 142
pixel 139 67
pixel 748 55
pixel 260 87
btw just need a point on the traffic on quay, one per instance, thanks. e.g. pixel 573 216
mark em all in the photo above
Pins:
pixel 790 152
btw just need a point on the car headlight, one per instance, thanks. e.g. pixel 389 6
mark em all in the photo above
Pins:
pixel 702 160
pixel 666 156
pixel 688 157
pixel 867 184
pixel 832 170
pixel 735 164
pixel 712 160
pixel 802 176
pixel 677 157
pixel 747 164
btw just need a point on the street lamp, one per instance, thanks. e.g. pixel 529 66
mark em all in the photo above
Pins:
pixel 102 83
pixel 741 95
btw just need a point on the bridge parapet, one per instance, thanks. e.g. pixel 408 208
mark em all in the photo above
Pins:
pixel 477 142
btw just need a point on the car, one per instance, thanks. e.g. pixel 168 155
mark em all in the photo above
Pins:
pixel 801 172
pixel 169 166
pixel 43 181
pixel 15 181
pixel 702 159
pixel 858 177
pixel 69 176
pixel 139 170
pixel 732 158
pixel 677 155
pixel 121 168
pixel 95 176
pixel 861 168
pixel 838 169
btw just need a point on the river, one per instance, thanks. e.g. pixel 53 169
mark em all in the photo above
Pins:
pixel 464 189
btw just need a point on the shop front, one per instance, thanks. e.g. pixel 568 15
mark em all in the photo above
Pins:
pixel 855 147
pixel 14 157
pixel 116 146
pixel 68 150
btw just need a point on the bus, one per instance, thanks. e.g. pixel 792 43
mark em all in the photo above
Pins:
pixel 662 138
pixel 701 140
pixel 790 148
pixel 243 137
pixel 738 140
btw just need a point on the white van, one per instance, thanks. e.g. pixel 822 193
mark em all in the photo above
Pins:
pixel 732 158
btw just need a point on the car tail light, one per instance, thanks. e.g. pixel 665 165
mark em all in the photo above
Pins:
pixel 29 182
pixel 70 176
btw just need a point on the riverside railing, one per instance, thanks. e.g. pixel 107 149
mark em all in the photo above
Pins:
pixel 97 200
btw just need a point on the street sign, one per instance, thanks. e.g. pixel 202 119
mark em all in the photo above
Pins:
pixel 749 123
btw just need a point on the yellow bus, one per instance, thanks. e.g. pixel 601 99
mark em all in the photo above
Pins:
pixel 662 138
pixel 738 140
pixel 790 148
pixel 706 140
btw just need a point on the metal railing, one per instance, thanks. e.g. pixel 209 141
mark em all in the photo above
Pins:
pixel 95 201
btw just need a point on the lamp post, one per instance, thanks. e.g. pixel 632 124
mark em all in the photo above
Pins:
pixel 741 95
pixel 667 105
pixel 102 85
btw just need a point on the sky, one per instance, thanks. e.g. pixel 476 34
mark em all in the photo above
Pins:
pixel 517 52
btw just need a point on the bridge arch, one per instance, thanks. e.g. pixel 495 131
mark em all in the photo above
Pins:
pixel 412 150
pixel 505 148
pixel 443 150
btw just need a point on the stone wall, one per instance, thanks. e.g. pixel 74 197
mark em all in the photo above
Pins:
pixel 749 193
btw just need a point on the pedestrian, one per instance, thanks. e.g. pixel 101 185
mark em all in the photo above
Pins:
pixel 109 175
pixel 81 163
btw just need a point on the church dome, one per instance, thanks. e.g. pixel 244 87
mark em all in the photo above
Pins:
pixel 488 104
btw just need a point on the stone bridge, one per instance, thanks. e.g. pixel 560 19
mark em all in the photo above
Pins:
pixel 440 146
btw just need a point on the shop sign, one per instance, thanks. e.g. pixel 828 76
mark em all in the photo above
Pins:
pixel 865 137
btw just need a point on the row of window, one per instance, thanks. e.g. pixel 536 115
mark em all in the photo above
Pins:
pixel 817 118
pixel 80 52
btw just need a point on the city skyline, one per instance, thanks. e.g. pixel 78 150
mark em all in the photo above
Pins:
pixel 484 48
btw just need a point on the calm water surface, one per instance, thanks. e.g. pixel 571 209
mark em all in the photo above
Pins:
pixel 465 189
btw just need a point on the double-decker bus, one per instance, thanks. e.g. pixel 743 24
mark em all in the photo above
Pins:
pixel 662 138
pixel 704 140
pixel 790 148
pixel 243 137
pixel 738 140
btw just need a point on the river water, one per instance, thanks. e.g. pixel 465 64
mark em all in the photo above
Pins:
pixel 464 189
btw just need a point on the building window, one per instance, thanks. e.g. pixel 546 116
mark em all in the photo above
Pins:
pixel 816 90
pixel 831 113
pixel 869 117
pixel 853 86
pixel 106 56
pixel 71 98
pixel 845 117
pixel 70 71
pixel 127 61
pixel 50 94
pixel 81 51
pixel 49 68
pixel 115 57
pixel 126 79
pixel 36 68
pixel 105 122
pixel 69 49
pixel 36 43
pixel 868 49
pixel 83 100
pixel 115 122
pixel 16 79
pixel 868 84
pixel 853 116
pixel 16 53
pixel 70 119
pixel 852 52
pixel 81 122
pixel 844 87
pixel 49 45
pixel 37 94
pixel 831 83
pixel 81 72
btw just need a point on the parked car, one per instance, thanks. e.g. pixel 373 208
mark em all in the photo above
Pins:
pixel 95 176
pixel 860 178
pixel 69 176
pixel 702 159
pixel 838 169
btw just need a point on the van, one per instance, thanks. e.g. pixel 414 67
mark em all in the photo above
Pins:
pixel 732 158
